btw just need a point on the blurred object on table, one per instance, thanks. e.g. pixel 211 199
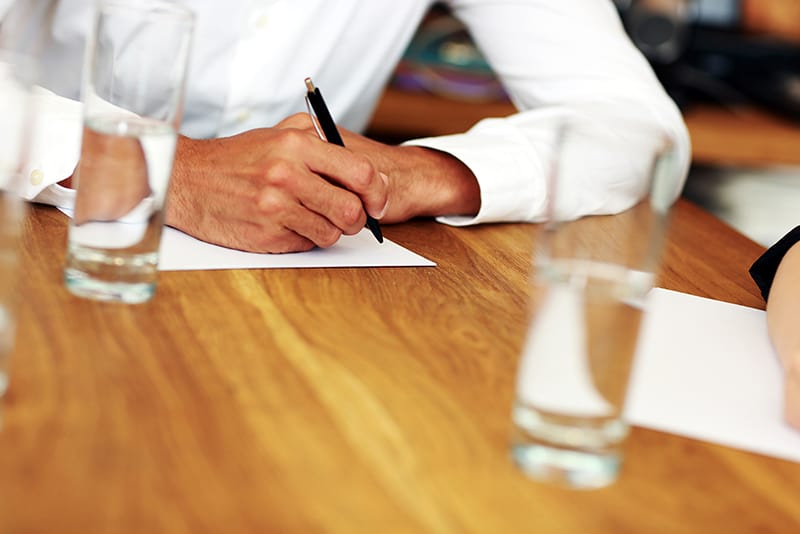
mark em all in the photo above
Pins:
pixel 443 60
pixel 727 52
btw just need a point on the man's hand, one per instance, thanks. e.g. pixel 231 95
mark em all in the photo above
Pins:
pixel 272 190
pixel 421 182
pixel 282 189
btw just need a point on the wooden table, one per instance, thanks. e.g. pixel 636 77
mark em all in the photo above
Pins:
pixel 337 400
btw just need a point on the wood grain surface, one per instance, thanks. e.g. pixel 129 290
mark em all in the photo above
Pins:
pixel 337 400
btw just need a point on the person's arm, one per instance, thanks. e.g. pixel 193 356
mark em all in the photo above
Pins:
pixel 777 275
pixel 55 121
pixel 5 5
pixel 555 58
pixel 268 190
pixel 54 150
pixel 783 311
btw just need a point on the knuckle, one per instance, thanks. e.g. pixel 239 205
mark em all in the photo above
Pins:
pixel 352 212
pixel 270 203
pixel 328 238
pixel 278 172
pixel 294 139
pixel 299 120
pixel 364 173
pixel 288 142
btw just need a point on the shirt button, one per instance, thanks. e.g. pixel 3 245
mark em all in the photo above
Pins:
pixel 261 21
pixel 242 116
pixel 36 177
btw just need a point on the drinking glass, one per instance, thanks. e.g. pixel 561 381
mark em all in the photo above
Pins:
pixel 591 275
pixel 133 91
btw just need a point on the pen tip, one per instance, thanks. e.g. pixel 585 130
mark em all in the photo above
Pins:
pixel 375 228
pixel 309 85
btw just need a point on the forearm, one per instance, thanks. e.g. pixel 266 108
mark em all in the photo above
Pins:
pixel 558 60
pixel 429 183
pixel 423 182
pixel 782 310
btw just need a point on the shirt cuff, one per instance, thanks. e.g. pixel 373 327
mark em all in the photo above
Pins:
pixel 510 174
pixel 764 268
pixel 55 145
pixel 56 195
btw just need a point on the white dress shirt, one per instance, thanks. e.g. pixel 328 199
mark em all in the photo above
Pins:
pixel 250 58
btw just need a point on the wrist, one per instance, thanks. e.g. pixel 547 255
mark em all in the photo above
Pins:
pixel 433 183
pixel 182 174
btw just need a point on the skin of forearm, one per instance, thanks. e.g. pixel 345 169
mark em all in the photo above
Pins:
pixel 423 182
pixel 435 184
pixel 783 310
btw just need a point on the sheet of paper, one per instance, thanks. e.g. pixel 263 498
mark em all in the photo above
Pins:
pixel 707 370
pixel 181 252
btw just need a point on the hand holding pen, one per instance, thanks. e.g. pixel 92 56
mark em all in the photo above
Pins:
pixel 330 133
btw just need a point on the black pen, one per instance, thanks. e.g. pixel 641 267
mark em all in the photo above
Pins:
pixel 331 134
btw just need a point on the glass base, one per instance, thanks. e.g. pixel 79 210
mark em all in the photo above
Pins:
pixel 575 452
pixel 80 284
pixel 566 467
pixel 110 275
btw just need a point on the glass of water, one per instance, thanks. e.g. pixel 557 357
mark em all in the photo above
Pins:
pixel 16 123
pixel 591 274
pixel 133 91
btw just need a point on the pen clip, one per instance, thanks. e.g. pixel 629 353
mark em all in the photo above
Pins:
pixel 314 120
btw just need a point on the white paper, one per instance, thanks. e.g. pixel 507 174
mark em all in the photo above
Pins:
pixel 707 370
pixel 181 252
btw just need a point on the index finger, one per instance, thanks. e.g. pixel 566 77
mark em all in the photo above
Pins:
pixel 352 171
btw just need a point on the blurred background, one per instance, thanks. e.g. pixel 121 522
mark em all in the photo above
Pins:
pixel 732 66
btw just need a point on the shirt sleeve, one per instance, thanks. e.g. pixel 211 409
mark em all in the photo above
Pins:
pixel 764 268
pixel 55 132
pixel 5 5
pixel 554 57
pixel 54 150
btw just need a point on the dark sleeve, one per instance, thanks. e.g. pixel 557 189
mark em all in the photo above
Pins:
pixel 764 269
